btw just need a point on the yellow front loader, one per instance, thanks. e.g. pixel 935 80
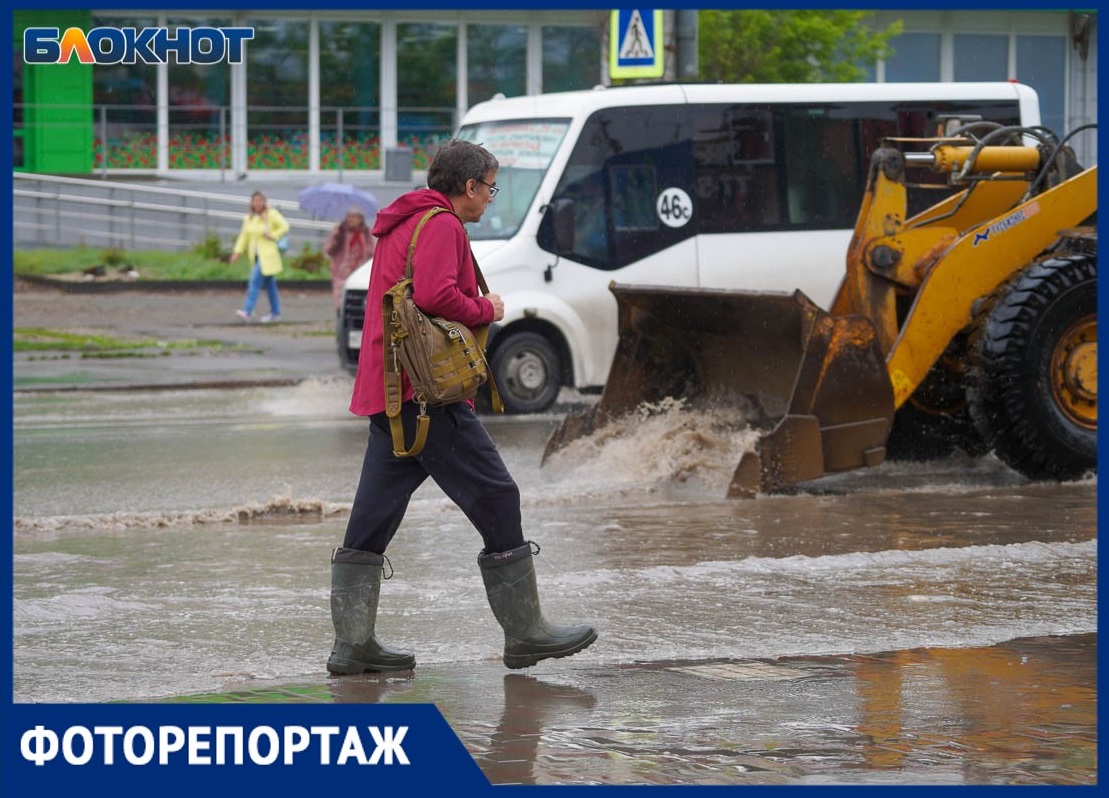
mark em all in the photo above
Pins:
pixel 984 306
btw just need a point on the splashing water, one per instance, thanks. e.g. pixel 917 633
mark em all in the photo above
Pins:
pixel 660 445
pixel 317 397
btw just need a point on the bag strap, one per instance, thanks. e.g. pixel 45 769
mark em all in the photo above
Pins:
pixel 416 234
pixel 481 335
pixel 394 383
pixel 394 388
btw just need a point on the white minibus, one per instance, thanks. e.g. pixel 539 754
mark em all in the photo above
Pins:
pixel 752 187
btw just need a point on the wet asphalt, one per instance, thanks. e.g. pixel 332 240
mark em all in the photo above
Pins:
pixel 1023 711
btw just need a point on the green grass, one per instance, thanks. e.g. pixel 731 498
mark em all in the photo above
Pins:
pixel 42 339
pixel 151 265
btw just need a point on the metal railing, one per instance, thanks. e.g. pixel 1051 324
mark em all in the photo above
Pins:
pixel 64 211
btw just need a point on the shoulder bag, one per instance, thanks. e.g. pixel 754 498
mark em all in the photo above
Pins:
pixel 445 360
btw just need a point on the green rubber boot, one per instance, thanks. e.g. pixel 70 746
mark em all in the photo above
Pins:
pixel 355 588
pixel 514 597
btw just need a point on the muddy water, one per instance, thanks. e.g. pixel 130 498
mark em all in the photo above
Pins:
pixel 173 543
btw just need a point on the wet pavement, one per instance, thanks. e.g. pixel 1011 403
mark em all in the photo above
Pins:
pixel 1021 712
pixel 919 623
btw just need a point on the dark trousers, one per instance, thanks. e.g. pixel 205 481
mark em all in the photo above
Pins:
pixel 461 458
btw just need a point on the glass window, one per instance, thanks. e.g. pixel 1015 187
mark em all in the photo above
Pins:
pixel 823 169
pixel 17 88
pixel 277 95
pixel 497 61
pixel 916 57
pixel 18 155
pixel 624 161
pixel 125 100
pixel 571 58
pixel 981 57
pixel 736 173
pixel 524 150
pixel 804 167
pixel 1042 64
pixel 427 68
pixel 350 102
pixel 199 109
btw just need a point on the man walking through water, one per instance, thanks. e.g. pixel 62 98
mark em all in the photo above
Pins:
pixel 459 454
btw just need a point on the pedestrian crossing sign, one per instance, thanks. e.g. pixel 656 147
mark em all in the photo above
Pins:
pixel 635 44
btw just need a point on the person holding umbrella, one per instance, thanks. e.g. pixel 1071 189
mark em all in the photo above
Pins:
pixel 350 243
pixel 262 228
pixel 348 247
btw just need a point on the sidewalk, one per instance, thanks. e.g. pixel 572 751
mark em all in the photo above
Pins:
pixel 228 351
pixel 1022 712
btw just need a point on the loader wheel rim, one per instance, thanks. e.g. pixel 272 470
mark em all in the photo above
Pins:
pixel 1074 372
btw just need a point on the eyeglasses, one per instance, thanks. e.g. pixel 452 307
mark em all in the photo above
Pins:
pixel 493 189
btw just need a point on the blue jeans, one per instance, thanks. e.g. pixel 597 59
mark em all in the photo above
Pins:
pixel 254 287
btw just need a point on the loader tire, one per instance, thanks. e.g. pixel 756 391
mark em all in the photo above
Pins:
pixel 1033 382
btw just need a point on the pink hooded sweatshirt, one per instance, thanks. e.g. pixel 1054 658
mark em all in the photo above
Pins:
pixel 444 284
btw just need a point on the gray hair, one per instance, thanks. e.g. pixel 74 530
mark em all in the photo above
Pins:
pixel 457 162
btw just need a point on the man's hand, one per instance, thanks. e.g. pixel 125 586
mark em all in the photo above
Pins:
pixel 234 257
pixel 498 306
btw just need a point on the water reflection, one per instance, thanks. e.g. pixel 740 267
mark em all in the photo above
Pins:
pixel 1022 712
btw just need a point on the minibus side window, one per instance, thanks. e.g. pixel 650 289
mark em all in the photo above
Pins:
pixel 736 173
pixel 588 192
pixel 626 162
pixel 822 165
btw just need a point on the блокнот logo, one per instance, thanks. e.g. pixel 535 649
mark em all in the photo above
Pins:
pixel 135 45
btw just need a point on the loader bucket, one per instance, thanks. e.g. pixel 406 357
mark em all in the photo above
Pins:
pixel 817 385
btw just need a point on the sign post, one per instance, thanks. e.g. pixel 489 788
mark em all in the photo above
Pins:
pixel 635 44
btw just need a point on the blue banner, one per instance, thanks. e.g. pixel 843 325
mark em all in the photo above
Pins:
pixel 187 749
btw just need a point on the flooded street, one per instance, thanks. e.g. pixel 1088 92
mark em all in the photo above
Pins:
pixel 176 543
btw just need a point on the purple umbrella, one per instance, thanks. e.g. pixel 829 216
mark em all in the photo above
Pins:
pixel 332 200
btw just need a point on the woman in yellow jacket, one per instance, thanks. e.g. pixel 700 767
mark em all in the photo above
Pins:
pixel 262 228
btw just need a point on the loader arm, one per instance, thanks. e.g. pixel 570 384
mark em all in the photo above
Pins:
pixel 980 260
pixel 890 256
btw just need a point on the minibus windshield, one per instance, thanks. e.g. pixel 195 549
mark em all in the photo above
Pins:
pixel 524 148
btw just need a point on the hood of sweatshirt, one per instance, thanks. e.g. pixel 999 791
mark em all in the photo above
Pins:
pixel 405 207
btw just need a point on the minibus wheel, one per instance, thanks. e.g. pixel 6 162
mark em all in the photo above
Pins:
pixel 348 358
pixel 527 371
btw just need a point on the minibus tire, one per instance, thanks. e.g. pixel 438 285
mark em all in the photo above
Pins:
pixel 527 371
pixel 348 358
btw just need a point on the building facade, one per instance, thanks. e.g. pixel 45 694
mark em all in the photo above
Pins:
pixel 325 91
pixel 1054 52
